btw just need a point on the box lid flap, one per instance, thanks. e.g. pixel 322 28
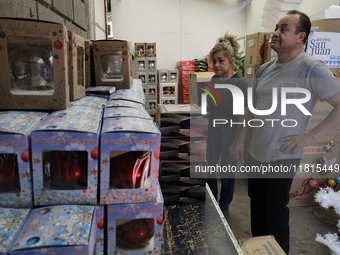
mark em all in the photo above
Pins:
pixel 89 101
pixel 131 95
pixel 61 225
pixel 123 103
pixel 10 222
pixel 126 112
pixel 130 124
pixel 19 122
pixel 76 118
pixel 103 90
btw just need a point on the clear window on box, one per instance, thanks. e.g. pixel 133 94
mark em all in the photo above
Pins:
pixel 152 105
pixel 30 64
pixel 152 65
pixel 141 65
pixel 132 234
pixel 112 67
pixel 173 77
pixel 9 174
pixel 142 77
pixel 80 66
pixel 152 92
pixel 65 170
pixel 130 169
pixel 164 77
pixel 152 78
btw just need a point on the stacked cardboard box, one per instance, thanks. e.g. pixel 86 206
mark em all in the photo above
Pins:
pixel 168 86
pixel 184 68
pixel 255 48
pixel 145 69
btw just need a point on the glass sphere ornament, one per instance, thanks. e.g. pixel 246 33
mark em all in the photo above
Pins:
pixel 112 66
pixel 320 160
pixel 331 182
pixel 31 69
pixel 164 77
pixel 141 65
pixel 327 148
pixel 173 77
pixel 152 79
pixel 331 143
pixel 337 180
pixel 314 183
pixel 136 233
pixel 152 65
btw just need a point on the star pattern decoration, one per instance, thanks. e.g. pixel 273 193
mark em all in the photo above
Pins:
pixel 104 161
pixel 25 174
pixel 110 228
pixel 36 160
pixel 18 244
pixel 93 171
pixel 99 240
pixel 155 170
pixel 158 235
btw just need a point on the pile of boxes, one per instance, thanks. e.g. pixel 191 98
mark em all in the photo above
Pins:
pixel 184 68
pixel 95 171
pixel 145 66
pixel 168 86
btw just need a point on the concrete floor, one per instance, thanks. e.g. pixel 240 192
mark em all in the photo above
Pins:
pixel 303 224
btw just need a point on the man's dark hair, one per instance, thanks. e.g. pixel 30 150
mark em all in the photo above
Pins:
pixel 304 23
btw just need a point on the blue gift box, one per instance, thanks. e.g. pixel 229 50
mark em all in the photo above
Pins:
pixel 135 229
pixel 65 157
pixel 100 225
pixel 89 101
pixel 15 169
pixel 129 160
pixel 63 229
pixel 126 112
pixel 11 221
pixel 123 103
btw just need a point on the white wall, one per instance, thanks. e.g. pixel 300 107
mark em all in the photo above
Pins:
pixel 255 7
pixel 100 19
pixel 182 29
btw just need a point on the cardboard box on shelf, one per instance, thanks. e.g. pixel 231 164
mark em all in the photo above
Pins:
pixel 65 157
pixel 197 80
pixel 265 245
pixel 151 78
pixel 331 13
pixel 136 228
pixel 140 64
pixel 140 50
pixel 15 167
pixel 255 49
pixel 33 73
pixel 129 160
pixel 173 75
pixel 113 63
pixel 163 75
pixel 76 65
pixel 325 46
pixel 168 89
pixel 151 50
pixel 168 100
pixel 62 229
pixel 327 25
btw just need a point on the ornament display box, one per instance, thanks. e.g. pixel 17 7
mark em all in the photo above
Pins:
pixel 34 73
pixel 76 65
pixel 123 103
pixel 140 64
pixel 163 75
pixel 129 160
pixel 168 89
pixel 151 50
pixel 100 91
pixel 168 100
pixel 142 76
pixel 11 222
pixel 100 224
pixel 112 63
pixel 151 78
pixel 89 101
pixel 151 92
pixel 15 168
pixel 173 75
pixel 62 229
pixel 117 112
pixel 65 157
pixel 140 50
pixel 136 228
pixel 151 64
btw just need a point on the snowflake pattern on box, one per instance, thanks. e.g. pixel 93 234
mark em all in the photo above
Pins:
pixel 57 226
pixel 10 222
pixel 123 103
pixel 126 112
pixel 124 135
pixel 130 95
